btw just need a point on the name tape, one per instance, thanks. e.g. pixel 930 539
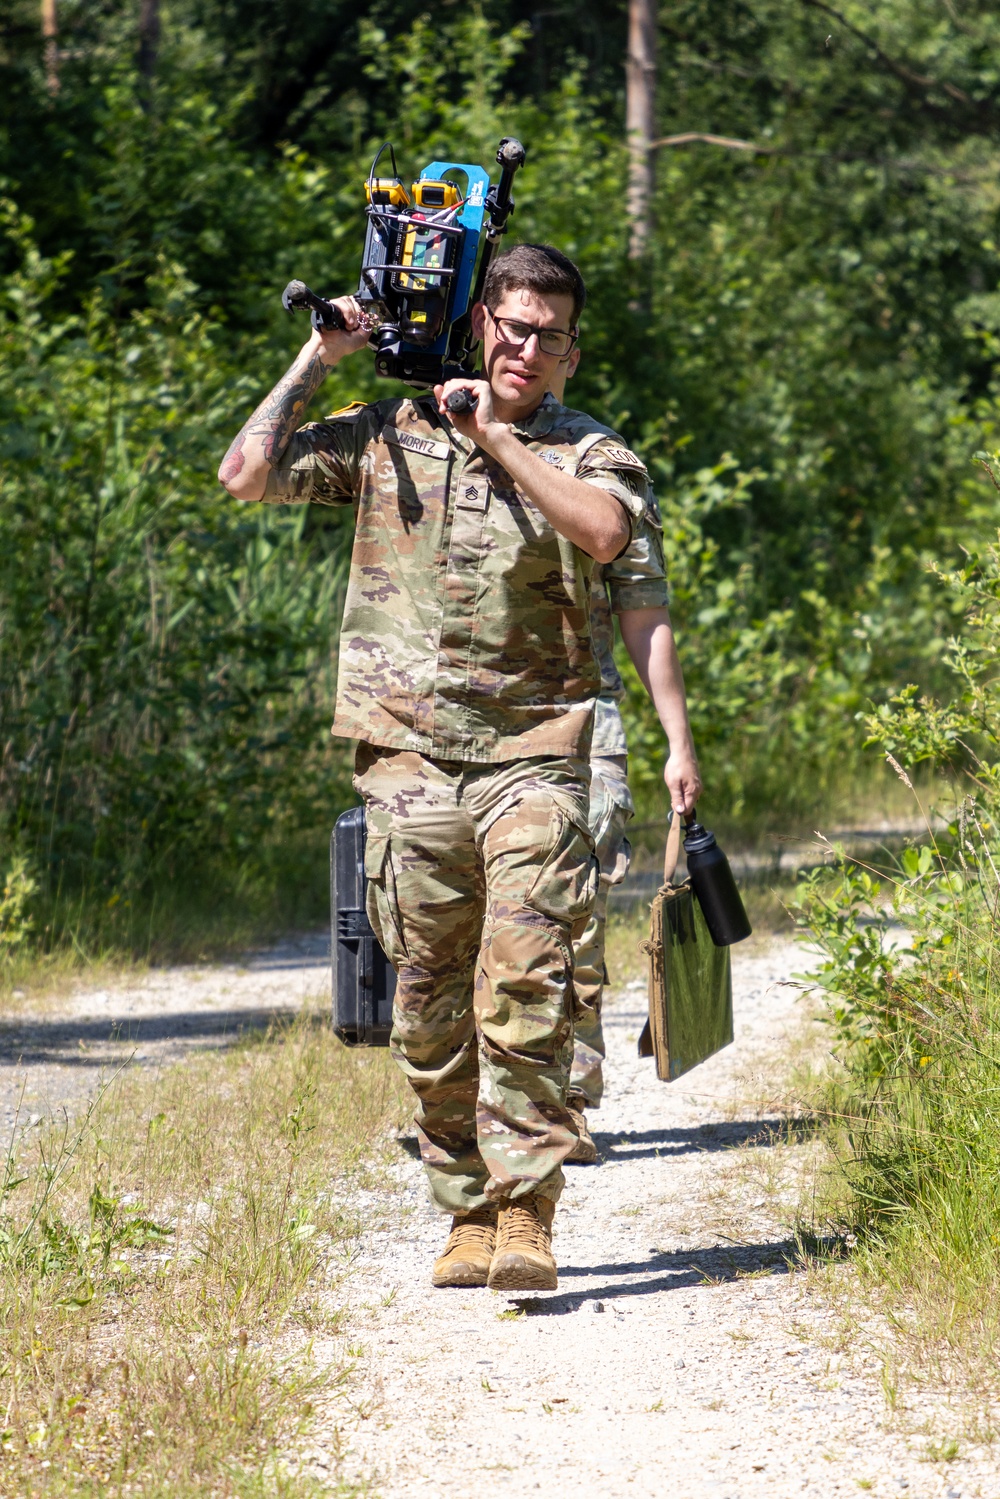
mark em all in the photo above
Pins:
pixel 414 443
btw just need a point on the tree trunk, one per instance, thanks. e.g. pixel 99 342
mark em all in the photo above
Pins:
pixel 640 120
pixel 149 38
pixel 50 34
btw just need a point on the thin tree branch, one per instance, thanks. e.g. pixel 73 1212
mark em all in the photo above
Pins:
pixel 897 164
pixel 906 74
pixel 690 136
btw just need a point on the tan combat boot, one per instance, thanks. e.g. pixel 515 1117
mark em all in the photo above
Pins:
pixel 522 1260
pixel 584 1152
pixel 469 1250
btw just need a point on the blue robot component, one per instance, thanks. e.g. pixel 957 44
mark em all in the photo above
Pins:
pixel 471 218
pixel 400 357
pixel 419 272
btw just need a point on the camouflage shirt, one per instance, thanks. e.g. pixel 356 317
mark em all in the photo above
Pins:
pixel 635 580
pixel 466 631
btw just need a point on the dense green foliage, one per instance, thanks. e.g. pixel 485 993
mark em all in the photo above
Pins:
pixel 826 314
pixel 166 658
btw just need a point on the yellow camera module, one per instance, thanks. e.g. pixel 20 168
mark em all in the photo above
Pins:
pixel 387 192
pixel 430 194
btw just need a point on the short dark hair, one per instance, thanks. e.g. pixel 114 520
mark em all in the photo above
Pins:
pixel 538 268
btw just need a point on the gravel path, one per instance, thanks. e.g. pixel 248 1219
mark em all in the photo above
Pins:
pixel 686 1353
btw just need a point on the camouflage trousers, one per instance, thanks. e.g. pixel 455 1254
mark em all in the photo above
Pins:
pixel 480 878
pixel 610 809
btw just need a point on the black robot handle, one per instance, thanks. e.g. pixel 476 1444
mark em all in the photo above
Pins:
pixel 325 315
pixel 460 402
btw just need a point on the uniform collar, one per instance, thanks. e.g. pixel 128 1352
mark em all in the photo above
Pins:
pixel 541 420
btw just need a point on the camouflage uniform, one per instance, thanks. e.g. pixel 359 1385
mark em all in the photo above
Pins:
pixel 468 673
pixel 634 581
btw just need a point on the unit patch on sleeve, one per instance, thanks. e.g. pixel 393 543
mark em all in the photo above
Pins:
pixel 619 458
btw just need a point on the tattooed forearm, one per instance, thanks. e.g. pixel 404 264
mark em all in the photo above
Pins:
pixel 281 411
pixel 266 435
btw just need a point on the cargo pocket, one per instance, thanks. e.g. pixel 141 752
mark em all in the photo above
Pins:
pixel 565 884
pixel 609 812
pixel 381 902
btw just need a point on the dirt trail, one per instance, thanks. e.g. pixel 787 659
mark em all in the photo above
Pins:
pixel 58 1051
pixel 682 1355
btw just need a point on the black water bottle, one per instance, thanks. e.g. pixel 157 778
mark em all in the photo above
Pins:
pixel 713 884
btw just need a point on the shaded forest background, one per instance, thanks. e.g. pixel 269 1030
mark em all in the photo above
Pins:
pixel 805 355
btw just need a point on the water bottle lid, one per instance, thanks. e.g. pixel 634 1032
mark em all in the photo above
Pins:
pixel 697 840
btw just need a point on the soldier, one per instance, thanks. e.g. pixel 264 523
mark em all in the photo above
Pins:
pixel 637 587
pixel 467 675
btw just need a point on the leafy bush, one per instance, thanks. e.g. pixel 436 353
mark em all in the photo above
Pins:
pixel 165 657
pixel 775 695
pixel 911 974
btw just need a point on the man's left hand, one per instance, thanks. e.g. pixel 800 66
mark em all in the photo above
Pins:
pixel 476 425
pixel 683 781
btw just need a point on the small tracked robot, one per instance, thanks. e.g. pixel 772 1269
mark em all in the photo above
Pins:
pixel 419 276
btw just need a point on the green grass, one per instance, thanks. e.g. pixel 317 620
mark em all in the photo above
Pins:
pixel 215 912
pixel 166 1262
pixel 916 1190
pixel 912 1100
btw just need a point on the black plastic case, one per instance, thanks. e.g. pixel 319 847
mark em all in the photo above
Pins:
pixel 364 981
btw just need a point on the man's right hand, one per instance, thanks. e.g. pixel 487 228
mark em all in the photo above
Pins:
pixel 335 344
pixel 258 447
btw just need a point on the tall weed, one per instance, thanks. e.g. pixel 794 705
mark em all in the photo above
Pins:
pixel 16 921
pixel 911 973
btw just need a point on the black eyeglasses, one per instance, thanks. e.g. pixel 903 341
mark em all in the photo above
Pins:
pixel 550 340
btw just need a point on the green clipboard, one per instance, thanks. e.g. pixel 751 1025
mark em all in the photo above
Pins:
pixel 690 979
